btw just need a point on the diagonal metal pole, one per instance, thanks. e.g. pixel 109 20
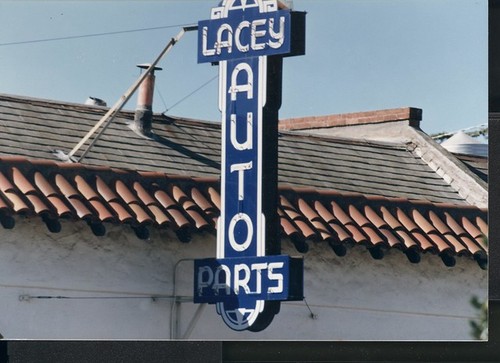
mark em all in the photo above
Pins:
pixel 117 107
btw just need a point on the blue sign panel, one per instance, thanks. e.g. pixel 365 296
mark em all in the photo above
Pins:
pixel 251 35
pixel 240 36
pixel 243 279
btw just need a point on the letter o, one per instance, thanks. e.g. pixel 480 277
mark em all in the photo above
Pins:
pixel 240 247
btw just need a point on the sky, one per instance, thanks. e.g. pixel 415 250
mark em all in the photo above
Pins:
pixel 361 55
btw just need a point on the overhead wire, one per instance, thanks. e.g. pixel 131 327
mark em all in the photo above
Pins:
pixel 192 93
pixel 91 35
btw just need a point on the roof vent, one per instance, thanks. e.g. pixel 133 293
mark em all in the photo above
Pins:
pixel 93 101
pixel 144 110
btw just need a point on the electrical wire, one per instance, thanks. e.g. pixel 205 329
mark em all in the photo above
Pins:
pixel 192 93
pixel 91 35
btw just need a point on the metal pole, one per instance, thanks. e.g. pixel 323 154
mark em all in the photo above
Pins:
pixel 117 107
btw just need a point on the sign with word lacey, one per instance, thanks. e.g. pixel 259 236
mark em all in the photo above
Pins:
pixel 248 278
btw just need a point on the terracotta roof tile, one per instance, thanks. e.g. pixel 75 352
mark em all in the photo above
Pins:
pixel 61 209
pixel 11 195
pixel 102 195
pixel 207 207
pixel 152 204
pixel 382 226
pixel 357 235
pixel 172 209
pixel 314 219
pixel 298 219
pixel 340 233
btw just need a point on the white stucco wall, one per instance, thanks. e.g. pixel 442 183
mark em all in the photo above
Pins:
pixel 107 284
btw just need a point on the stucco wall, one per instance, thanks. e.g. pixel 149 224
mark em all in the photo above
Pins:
pixel 101 288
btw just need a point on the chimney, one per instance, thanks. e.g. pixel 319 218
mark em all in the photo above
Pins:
pixel 144 110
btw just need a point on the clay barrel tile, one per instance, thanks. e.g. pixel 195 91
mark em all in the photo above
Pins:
pixel 340 214
pixel 459 245
pixel 307 211
pixel 422 241
pixel 103 214
pixel 153 206
pixel 373 237
pixel 38 205
pixel 391 239
pixel 422 222
pixel 392 221
pixel 121 212
pixel 198 219
pixel 315 220
pixel 66 188
pixel 348 223
pixel 374 218
pixel 358 217
pixel 44 185
pixel 332 221
pixel 62 209
pixel 29 191
pixel 172 209
pixel 201 201
pixel 441 245
pixel 141 215
pixel 85 189
pixel 143 195
pixel 438 223
pixel 165 200
pixel 455 227
pixel 22 183
pixel 9 192
pixel 471 228
pixel 3 206
pixel 160 217
pixel 105 191
pixel 298 218
pixel 382 226
pixel 125 193
pixel 214 197
pixel 304 228
pixel 17 203
pixel 189 206
pixel 5 184
pixel 399 229
pixel 357 235
pixel 433 234
pixel 406 221
pixel 483 226
pixel 415 232
pixel 51 194
pixel 180 220
pixel 324 213
pixel 366 226
pixel 81 210
pixel 288 228
pixel 289 208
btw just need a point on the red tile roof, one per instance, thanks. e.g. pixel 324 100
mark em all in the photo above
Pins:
pixel 142 200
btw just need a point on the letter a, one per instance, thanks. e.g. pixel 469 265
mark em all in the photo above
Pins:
pixel 247 87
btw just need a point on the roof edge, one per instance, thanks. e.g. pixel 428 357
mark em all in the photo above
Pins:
pixel 449 167
pixel 411 114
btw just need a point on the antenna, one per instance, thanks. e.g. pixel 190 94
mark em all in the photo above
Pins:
pixel 117 107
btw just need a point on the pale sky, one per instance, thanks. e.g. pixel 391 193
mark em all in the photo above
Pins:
pixel 361 55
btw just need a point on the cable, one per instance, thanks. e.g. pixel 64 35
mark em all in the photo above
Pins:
pixel 92 35
pixel 192 93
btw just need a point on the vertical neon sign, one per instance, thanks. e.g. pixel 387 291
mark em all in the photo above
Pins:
pixel 248 279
